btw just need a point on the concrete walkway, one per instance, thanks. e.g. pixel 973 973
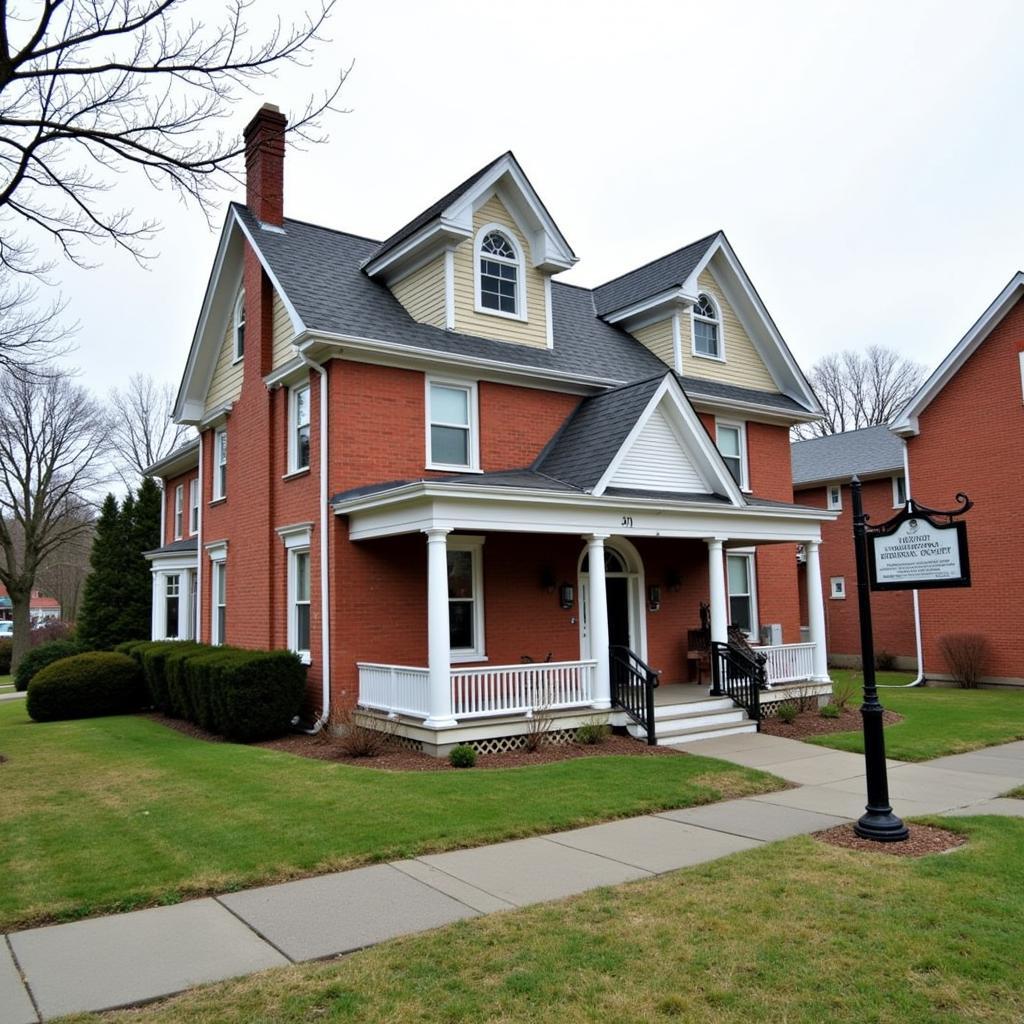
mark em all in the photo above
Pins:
pixel 123 959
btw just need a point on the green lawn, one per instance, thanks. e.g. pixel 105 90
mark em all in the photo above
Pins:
pixel 6 684
pixel 794 931
pixel 937 720
pixel 113 813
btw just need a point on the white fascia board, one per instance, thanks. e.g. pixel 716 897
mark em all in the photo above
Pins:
pixel 573 515
pixel 390 353
pixel 176 561
pixel 428 242
pixel 761 329
pixel 906 423
pixel 286 373
pixel 750 410
pixel 293 314
pixel 692 435
pixel 651 309
pixel 176 463
pixel 216 416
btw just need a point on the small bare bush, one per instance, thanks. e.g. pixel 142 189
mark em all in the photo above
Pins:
pixel 538 722
pixel 884 661
pixel 966 654
pixel 844 691
pixel 359 740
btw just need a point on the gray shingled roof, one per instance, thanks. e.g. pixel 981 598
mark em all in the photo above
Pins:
pixel 175 548
pixel 652 278
pixel 865 452
pixel 697 387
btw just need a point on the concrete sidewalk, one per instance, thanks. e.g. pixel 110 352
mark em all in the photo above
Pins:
pixel 123 959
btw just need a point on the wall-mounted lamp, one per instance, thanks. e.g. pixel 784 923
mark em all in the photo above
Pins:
pixel 673 580
pixel 547 579
pixel 566 595
pixel 654 597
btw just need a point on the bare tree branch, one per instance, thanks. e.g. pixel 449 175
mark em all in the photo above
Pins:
pixel 860 389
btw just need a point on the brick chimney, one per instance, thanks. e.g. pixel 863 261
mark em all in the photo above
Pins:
pixel 264 164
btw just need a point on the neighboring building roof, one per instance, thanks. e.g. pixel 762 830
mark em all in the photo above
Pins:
pixel 176 547
pixel 660 275
pixel 866 452
pixel 905 423
pixel 178 461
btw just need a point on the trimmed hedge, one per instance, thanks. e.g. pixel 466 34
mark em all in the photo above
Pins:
pixel 243 695
pixel 39 657
pixel 86 686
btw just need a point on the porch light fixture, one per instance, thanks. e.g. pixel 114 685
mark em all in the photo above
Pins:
pixel 673 580
pixel 654 597
pixel 566 595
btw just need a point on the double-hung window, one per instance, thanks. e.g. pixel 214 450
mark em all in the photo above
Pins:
pixel 498 281
pixel 238 325
pixel 707 328
pixel 220 464
pixel 298 443
pixel 452 441
pixel 172 606
pixel 732 444
pixel 465 598
pixel 742 599
pixel 219 612
pixel 899 491
pixel 193 505
pixel 835 497
pixel 179 511
pixel 299 625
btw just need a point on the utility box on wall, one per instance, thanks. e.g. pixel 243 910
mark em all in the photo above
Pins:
pixel 771 634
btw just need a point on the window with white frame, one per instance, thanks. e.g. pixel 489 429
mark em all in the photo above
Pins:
pixel 835 497
pixel 219 605
pixel 298 602
pixel 193 505
pixel 499 274
pixel 179 511
pixel 837 587
pixel 298 444
pixel 465 598
pixel 742 599
pixel 452 425
pixel 238 325
pixel 899 491
pixel 220 464
pixel 707 328
pixel 732 445
pixel 172 606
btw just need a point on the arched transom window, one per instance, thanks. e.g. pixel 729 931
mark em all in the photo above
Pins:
pixel 499 274
pixel 707 328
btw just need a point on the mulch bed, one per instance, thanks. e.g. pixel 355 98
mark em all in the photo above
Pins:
pixel 924 839
pixel 326 747
pixel 811 723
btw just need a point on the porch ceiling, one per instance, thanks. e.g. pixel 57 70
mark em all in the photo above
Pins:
pixel 413 507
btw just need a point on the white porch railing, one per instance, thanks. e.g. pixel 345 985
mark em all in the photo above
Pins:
pixel 788 663
pixel 397 689
pixel 519 689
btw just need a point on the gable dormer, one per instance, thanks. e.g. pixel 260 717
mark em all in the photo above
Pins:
pixel 480 260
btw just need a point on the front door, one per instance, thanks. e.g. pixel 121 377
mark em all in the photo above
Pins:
pixel 618 611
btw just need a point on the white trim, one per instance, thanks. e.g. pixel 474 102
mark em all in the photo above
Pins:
pixel 549 318
pixel 238 320
pixel 637 594
pixel 474 545
pixel 837 588
pixel 293 425
pixel 297 535
pixel 1020 356
pixel 751 560
pixel 294 552
pixel 837 504
pixel 741 428
pixel 217 550
pixel 677 341
pixel 220 483
pixel 473 427
pixel 193 506
pixel 217 577
pixel 649 310
pixel 179 511
pixel 906 423
pixel 449 289
pixel 896 503
pixel 199 549
pixel 186 613
pixel 521 313
pixel 719 322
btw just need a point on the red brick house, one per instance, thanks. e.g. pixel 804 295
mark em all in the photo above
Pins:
pixel 964 431
pixel 454 485
pixel 822 470
pixel 41 608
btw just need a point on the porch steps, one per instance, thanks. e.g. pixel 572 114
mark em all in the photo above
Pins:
pixel 696 720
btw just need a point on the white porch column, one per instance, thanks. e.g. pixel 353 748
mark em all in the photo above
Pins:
pixel 816 612
pixel 716 591
pixel 159 607
pixel 438 636
pixel 599 640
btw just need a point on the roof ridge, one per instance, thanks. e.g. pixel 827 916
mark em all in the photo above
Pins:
pixel 657 259
pixel 844 433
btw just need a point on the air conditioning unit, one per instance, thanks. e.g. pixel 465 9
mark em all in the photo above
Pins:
pixel 771 634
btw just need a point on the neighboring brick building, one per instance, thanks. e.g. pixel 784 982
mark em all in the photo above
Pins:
pixel 822 470
pixel 41 608
pixel 964 431
pixel 424 464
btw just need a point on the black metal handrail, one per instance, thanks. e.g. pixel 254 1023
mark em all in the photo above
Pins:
pixel 633 682
pixel 738 675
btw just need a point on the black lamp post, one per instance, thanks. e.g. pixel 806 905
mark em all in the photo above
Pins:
pixel 878 821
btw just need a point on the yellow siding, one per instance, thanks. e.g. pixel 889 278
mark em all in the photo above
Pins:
pixel 658 338
pixel 532 331
pixel 422 293
pixel 226 382
pixel 743 366
pixel 283 333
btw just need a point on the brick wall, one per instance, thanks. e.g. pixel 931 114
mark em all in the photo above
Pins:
pixel 170 486
pixel 972 440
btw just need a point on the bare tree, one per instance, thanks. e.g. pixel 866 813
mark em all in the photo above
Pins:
pixel 142 430
pixel 63 574
pixel 30 334
pixel 861 389
pixel 92 89
pixel 54 443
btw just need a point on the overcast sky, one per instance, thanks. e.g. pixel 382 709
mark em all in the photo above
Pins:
pixel 864 159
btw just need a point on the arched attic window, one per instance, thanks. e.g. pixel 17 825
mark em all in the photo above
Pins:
pixel 238 325
pixel 499 274
pixel 707 328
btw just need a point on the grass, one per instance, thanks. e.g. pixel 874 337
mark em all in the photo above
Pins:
pixel 114 813
pixel 6 684
pixel 936 720
pixel 795 931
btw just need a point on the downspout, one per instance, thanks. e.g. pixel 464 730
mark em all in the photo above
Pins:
pixel 325 603
pixel 920 680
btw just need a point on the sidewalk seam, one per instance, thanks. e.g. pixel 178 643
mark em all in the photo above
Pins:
pixel 469 885
pixel 255 931
pixel 24 978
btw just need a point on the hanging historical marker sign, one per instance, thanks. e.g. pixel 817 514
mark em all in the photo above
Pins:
pixel 916 550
